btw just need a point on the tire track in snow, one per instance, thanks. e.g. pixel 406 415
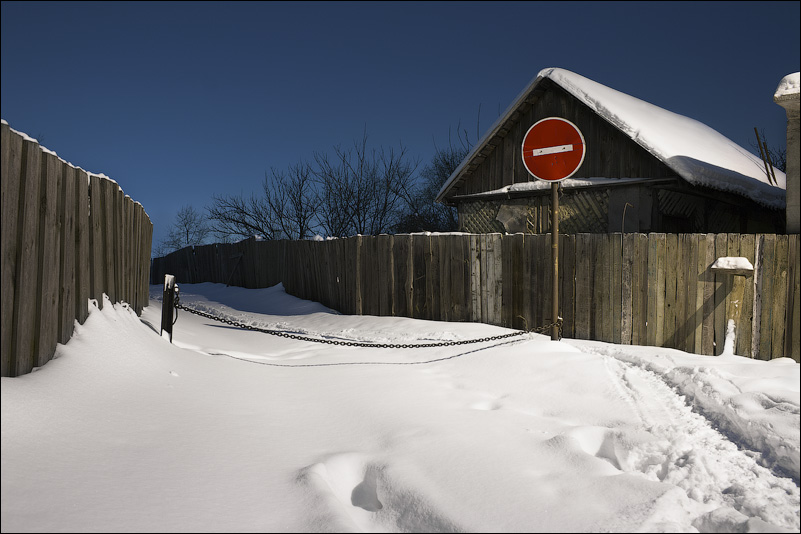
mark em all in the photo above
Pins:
pixel 686 450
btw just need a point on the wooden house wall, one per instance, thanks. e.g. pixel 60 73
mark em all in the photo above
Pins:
pixel 610 153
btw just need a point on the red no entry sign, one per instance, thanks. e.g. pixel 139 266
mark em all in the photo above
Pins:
pixel 553 149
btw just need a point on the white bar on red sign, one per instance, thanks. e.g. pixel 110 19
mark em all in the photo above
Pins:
pixel 552 150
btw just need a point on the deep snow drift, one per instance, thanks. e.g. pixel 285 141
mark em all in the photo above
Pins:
pixel 233 430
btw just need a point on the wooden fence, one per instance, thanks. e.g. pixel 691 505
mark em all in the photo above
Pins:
pixel 66 237
pixel 655 289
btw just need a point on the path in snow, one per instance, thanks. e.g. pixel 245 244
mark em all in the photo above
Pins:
pixel 687 451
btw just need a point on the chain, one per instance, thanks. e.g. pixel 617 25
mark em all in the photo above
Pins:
pixel 288 335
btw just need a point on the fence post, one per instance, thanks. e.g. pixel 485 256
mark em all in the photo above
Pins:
pixel 167 305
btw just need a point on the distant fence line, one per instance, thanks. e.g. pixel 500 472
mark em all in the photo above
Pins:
pixel 655 289
pixel 67 236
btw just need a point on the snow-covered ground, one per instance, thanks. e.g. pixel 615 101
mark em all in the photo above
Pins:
pixel 233 430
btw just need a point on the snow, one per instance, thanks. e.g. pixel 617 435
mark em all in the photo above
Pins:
pixel 696 152
pixel 790 85
pixel 235 430
pixel 733 263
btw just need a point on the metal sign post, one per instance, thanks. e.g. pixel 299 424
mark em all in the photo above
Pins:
pixel 553 150
pixel 555 255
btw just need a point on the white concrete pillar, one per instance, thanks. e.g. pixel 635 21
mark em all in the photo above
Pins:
pixel 787 96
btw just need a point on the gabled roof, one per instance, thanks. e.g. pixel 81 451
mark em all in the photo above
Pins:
pixel 696 152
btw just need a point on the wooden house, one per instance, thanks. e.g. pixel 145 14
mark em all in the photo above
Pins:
pixel 646 169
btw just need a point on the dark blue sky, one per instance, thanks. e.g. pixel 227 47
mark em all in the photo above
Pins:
pixel 180 101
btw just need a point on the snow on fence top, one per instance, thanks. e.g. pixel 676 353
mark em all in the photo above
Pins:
pixel 790 85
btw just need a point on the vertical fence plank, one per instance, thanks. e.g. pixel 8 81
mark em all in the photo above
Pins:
pixel 66 286
pixel 708 327
pixel 680 267
pixel 601 289
pixel 11 186
pixel 627 288
pixel 543 291
pixel 699 242
pixel 671 267
pixel 507 293
pixel 50 252
pixel 722 286
pixel 616 272
pixel 483 292
pixel 497 259
pixel 460 286
pixel 584 263
pixel 792 340
pixel 567 273
pixel 640 327
pixel 26 305
pixel 403 275
pixel 475 280
pixel 746 307
pixel 779 301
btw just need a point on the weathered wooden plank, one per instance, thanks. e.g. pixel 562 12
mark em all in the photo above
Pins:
pixel 387 278
pixel 432 281
pixel 419 300
pixel 458 281
pixel 66 285
pixel 746 306
pixel 583 285
pixel 82 256
pixel 567 272
pixel 709 286
pixel 517 289
pixel 26 303
pixel 97 244
pixel 600 285
pixel 507 294
pixel 475 278
pixel 443 276
pixel 659 319
pixel 671 277
pixel 544 290
pixel 497 259
pixel 484 296
pixel 779 301
pixel 735 286
pixel 757 303
pixel 697 281
pixel 722 287
pixel 10 184
pixel 627 288
pixel 792 340
pixel 651 291
pixel 682 257
pixel 616 272
pixel 400 258
pixel 49 256
pixel 356 245
pixel 110 261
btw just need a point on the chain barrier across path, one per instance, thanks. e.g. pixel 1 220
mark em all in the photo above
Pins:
pixel 367 344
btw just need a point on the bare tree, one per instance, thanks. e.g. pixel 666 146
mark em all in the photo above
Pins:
pixel 362 190
pixel 354 191
pixel 238 217
pixel 293 201
pixel 189 229
pixel 422 212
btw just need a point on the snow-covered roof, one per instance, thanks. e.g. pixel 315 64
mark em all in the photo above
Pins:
pixel 699 154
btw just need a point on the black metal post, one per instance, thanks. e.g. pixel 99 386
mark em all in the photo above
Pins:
pixel 168 305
